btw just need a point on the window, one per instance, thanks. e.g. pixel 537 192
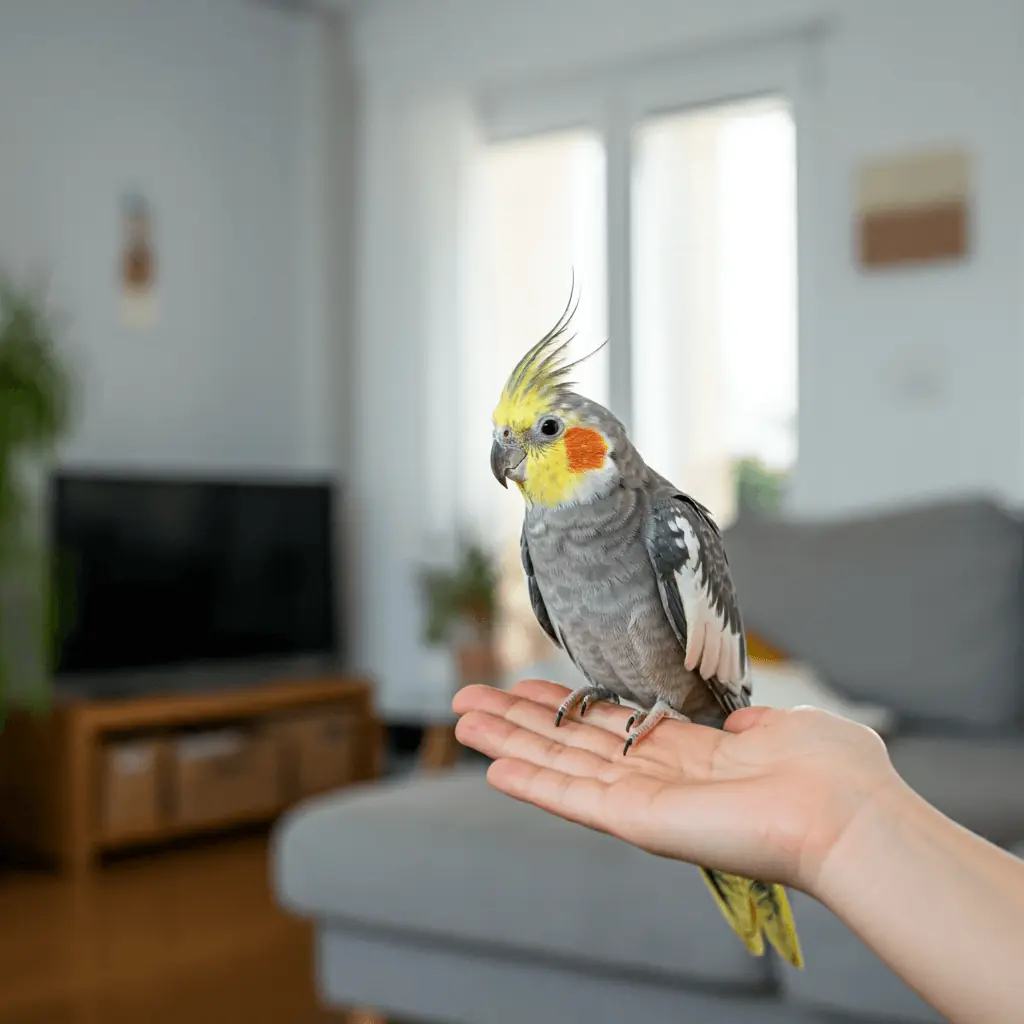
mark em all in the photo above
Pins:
pixel 537 223
pixel 714 301
pixel 676 214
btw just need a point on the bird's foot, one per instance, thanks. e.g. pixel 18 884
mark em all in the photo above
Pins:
pixel 583 696
pixel 640 723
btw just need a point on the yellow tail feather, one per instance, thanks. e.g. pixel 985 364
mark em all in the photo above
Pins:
pixel 732 894
pixel 756 911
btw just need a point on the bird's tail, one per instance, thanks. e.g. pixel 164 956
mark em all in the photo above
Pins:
pixel 756 911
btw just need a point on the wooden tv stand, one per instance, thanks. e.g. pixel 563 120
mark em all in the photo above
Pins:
pixel 50 764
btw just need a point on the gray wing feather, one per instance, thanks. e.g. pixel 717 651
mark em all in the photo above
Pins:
pixel 536 600
pixel 685 548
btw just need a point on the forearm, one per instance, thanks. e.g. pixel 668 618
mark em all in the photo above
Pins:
pixel 941 906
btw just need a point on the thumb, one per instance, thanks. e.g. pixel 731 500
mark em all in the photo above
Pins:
pixel 747 718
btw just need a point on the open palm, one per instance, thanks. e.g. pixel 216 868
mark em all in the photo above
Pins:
pixel 768 797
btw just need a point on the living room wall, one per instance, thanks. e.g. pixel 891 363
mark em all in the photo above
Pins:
pixel 910 380
pixel 219 114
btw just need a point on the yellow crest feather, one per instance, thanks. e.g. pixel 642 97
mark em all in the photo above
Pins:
pixel 541 376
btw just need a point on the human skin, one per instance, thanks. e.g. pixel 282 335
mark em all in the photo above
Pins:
pixel 802 797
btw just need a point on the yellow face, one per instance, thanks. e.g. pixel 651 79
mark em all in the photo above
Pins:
pixel 552 456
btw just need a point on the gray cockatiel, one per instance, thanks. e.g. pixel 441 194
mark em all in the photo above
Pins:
pixel 628 575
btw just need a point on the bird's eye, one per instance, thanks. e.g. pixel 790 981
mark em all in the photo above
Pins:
pixel 549 427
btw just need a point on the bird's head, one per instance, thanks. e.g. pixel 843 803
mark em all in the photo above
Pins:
pixel 555 444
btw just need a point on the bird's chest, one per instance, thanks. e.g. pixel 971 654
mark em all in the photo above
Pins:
pixel 599 589
pixel 600 592
pixel 585 562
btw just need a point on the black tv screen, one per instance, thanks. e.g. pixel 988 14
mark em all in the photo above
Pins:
pixel 163 572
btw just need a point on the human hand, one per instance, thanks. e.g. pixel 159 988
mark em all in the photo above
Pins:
pixel 770 796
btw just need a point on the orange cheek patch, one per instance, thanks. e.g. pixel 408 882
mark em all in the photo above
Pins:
pixel 585 449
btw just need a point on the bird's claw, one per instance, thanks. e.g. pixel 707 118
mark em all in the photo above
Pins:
pixel 635 719
pixel 583 696
pixel 641 723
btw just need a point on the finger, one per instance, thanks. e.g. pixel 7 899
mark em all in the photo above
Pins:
pixel 469 697
pixel 680 746
pixel 539 718
pixel 581 800
pixel 600 712
pixel 497 738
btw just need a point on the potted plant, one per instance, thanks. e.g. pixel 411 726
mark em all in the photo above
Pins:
pixel 35 398
pixel 461 603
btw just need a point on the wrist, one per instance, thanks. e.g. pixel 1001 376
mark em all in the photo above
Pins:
pixel 868 831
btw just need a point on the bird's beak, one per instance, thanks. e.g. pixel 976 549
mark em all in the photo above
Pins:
pixel 507 460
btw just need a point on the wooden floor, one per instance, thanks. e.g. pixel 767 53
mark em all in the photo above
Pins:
pixel 175 936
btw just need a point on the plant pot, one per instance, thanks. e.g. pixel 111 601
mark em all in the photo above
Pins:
pixel 478 612
pixel 477 661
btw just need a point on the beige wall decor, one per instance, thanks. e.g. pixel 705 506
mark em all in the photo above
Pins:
pixel 138 264
pixel 914 208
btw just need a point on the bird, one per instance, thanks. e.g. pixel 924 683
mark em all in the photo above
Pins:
pixel 628 575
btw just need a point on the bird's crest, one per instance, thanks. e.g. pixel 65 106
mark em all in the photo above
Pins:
pixel 541 377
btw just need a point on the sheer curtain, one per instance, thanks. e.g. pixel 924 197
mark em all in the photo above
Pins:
pixel 536 223
pixel 713 298
pixel 714 294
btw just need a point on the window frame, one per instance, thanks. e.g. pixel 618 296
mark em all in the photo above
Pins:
pixel 614 100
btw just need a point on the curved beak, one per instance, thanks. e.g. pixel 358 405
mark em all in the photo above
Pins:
pixel 506 458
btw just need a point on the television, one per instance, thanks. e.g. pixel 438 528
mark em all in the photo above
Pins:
pixel 176 573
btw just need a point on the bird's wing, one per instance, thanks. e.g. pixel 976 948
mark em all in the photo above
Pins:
pixel 686 550
pixel 536 601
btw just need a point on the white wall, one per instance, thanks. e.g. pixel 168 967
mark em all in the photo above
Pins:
pixel 909 74
pixel 216 111
pixel 901 74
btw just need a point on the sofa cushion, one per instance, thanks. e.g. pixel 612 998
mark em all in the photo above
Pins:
pixel 407 980
pixel 448 858
pixel 790 684
pixel 919 610
pixel 975 781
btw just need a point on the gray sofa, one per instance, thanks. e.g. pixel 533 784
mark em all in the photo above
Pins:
pixel 438 899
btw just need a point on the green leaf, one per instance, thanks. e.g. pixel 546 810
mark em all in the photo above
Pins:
pixel 758 489
pixel 466 590
pixel 35 414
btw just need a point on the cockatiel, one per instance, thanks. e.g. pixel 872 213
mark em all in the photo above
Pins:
pixel 629 576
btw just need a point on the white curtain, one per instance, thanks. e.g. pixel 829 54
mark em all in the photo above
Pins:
pixel 714 295
pixel 536 221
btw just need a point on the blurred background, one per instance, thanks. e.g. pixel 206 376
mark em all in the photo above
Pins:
pixel 264 268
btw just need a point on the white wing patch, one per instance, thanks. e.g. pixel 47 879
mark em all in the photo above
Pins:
pixel 711 646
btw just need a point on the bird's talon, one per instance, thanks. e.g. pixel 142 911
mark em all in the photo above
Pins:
pixel 635 720
pixel 625 749
pixel 558 718
pixel 584 704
